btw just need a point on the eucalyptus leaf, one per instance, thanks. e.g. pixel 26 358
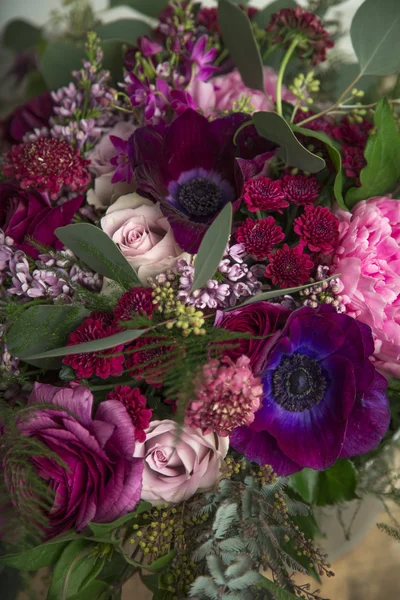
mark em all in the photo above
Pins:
pixel 20 35
pixel 106 528
pixel 73 567
pixel 212 248
pixel 336 158
pixel 41 328
pixel 375 37
pixel 321 488
pixel 274 128
pixel 96 249
pixel 58 61
pixel 263 17
pixel 277 293
pixel 152 8
pixel 238 37
pixel 278 593
pixel 382 153
pixel 125 30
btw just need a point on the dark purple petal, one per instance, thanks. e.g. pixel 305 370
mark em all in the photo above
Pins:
pixel 341 389
pixel 305 335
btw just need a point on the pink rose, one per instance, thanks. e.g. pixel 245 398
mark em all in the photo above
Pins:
pixel 143 235
pixel 221 92
pixel 175 470
pixel 368 260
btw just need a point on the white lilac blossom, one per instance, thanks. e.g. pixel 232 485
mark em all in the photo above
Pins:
pixel 326 292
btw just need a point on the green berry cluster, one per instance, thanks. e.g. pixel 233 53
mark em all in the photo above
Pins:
pixel 303 87
pixel 231 467
pixel 188 319
pixel 264 475
pixel 164 288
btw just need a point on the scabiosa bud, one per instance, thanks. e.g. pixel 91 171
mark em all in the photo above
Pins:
pixel 136 406
pixel 227 396
pixel 259 237
pixel 300 189
pixel 318 229
pixel 134 302
pixel 48 165
pixel 264 194
pixel 289 267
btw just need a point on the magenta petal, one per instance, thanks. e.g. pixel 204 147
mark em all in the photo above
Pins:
pixel 114 413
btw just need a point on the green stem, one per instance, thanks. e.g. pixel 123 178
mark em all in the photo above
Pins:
pixel 111 386
pixel 281 73
pixel 36 302
pixel 221 57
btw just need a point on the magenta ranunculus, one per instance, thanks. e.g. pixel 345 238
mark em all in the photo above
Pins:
pixel 34 114
pixel 100 481
pixel 27 213
pixel 368 261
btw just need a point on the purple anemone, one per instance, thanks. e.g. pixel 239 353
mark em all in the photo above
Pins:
pixel 194 168
pixel 323 398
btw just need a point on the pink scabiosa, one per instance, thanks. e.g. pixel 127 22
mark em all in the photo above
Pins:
pixel 104 364
pixel 296 23
pixel 227 396
pixel 134 302
pixel 136 406
pixel 258 237
pixel 289 267
pixel 300 189
pixel 47 165
pixel 318 229
pixel 264 194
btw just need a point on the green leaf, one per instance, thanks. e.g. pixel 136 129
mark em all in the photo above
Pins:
pixel 19 35
pixel 274 128
pixel 72 568
pixel 375 37
pixel 101 529
pixel 212 248
pixel 93 591
pixel 263 17
pixel 277 592
pixel 336 158
pixel 163 562
pixel 335 485
pixel 41 556
pixel 124 30
pixel 35 84
pixel 41 328
pixel 96 249
pixel 237 34
pixel 58 61
pixel 152 8
pixel 382 154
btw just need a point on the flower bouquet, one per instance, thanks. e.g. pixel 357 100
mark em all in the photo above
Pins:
pixel 200 297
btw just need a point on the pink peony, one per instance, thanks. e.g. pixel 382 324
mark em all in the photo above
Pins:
pixel 368 261
pixel 219 94
pixel 178 463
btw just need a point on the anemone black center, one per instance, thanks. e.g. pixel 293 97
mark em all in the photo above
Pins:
pixel 200 197
pixel 298 383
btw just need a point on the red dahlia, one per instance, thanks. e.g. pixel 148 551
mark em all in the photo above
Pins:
pixel 289 267
pixel 300 189
pixel 353 161
pixel 290 23
pixel 100 363
pixel 318 228
pixel 264 194
pixel 259 237
pixel 47 165
pixel 136 406
pixel 134 302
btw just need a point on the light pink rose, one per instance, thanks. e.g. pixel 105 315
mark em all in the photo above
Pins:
pixel 143 235
pixel 221 92
pixel 368 260
pixel 175 468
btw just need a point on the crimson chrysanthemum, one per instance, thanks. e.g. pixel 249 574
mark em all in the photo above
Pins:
pixel 104 364
pixel 353 161
pixel 134 302
pixel 136 406
pixel 318 229
pixel 149 358
pixel 227 396
pixel 289 267
pixel 258 237
pixel 352 134
pixel 300 189
pixel 296 23
pixel 264 194
pixel 47 165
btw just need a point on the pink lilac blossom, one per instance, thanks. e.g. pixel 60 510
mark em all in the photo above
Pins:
pixel 368 259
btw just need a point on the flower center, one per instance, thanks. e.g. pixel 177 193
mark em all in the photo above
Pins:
pixel 298 383
pixel 200 197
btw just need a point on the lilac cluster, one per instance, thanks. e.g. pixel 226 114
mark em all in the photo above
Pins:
pixel 234 281
pixel 324 293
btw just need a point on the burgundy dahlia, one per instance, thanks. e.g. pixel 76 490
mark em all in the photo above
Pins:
pixel 296 23
pixel 105 363
pixel 289 267
pixel 264 194
pixel 318 229
pixel 47 165
pixel 136 406
pixel 134 302
pixel 300 189
pixel 258 237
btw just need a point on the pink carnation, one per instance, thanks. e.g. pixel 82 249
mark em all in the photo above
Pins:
pixel 368 260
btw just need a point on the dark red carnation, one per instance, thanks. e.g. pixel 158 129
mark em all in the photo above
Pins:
pixel 105 363
pixel 34 114
pixel 352 134
pixel 208 18
pixel 134 302
pixel 353 161
pixel 318 229
pixel 289 267
pixel 136 405
pixel 149 358
pixel 300 189
pixel 264 194
pixel 259 237
pixel 320 124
